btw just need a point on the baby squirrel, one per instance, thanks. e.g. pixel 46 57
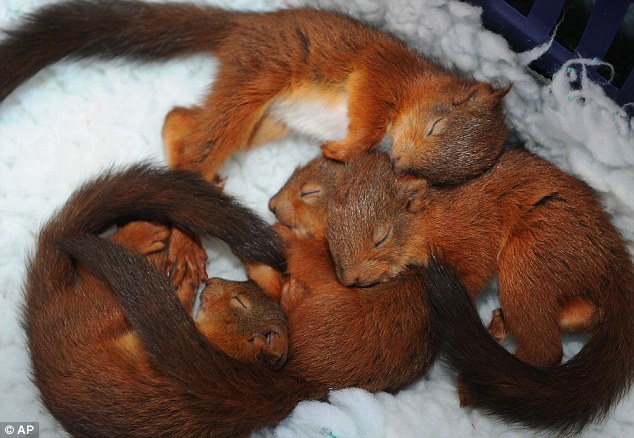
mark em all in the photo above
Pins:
pixel 376 338
pixel 245 324
pixel 316 72
pixel 561 265
pixel 132 362
pixel 301 204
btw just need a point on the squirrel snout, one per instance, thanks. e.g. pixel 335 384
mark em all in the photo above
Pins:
pixel 347 277
pixel 273 205
pixel 360 276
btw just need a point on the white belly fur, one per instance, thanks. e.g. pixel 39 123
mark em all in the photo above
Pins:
pixel 321 119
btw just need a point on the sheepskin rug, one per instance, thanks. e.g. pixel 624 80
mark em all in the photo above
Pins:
pixel 74 119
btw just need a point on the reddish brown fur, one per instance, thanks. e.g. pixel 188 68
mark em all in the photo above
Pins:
pixel 167 381
pixel 375 338
pixel 331 58
pixel 544 234
pixel 93 373
pixel 222 317
pixel 302 202
pixel 153 241
pixel 243 322
pixel 445 126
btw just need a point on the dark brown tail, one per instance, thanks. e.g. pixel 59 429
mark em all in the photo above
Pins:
pixel 224 404
pixel 561 399
pixel 107 29
pixel 145 192
pixel 222 396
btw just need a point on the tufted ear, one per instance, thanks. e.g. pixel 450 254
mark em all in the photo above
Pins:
pixel 413 190
pixel 482 94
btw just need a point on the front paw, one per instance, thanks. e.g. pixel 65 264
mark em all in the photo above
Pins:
pixel 144 237
pixel 286 234
pixel 267 279
pixel 293 294
pixel 497 326
pixel 339 151
pixel 186 259
pixel 219 182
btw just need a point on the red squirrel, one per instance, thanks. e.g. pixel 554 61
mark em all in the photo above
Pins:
pixel 243 323
pixel 320 73
pixel 376 338
pixel 301 204
pixel 99 371
pixel 560 263
pixel 544 398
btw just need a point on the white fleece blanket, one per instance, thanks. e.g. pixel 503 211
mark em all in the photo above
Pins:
pixel 75 119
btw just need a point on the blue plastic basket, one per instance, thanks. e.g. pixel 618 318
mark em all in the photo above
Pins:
pixel 526 24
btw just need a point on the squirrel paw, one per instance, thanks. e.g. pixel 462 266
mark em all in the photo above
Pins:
pixel 186 259
pixel 497 326
pixel 338 151
pixel 293 293
pixel 219 182
pixel 267 279
pixel 285 233
pixel 145 237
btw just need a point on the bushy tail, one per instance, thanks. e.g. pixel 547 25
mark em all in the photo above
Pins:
pixel 561 399
pixel 146 192
pixel 227 397
pixel 107 29
pixel 222 395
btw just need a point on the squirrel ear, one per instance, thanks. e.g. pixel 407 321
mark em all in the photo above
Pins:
pixel 482 94
pixel 215 281
pixel 413 190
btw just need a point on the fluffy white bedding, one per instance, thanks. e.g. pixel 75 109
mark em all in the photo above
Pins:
pixel 74 119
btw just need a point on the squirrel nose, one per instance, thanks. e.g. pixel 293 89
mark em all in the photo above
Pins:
pixel 272 205
pixel 346 277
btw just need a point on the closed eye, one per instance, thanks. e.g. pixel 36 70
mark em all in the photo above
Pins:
pixel 433 126
pixel 380 242
pixel 311 192
pixel 239 301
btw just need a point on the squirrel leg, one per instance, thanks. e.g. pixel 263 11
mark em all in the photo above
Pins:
pixel 579 315
pixel 267 279
pixel 203 138
pixel 141 236
pixel 186 259
pixel 530 305
pixel 367 121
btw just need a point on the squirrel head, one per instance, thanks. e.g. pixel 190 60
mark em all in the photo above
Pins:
pixel 301 204
pixel 244 322
pixel 449 133
pixel 369 220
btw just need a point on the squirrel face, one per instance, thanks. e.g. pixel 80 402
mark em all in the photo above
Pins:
pixel 301 204
pixel 449 134
pixel 244 322
pixel 369 219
